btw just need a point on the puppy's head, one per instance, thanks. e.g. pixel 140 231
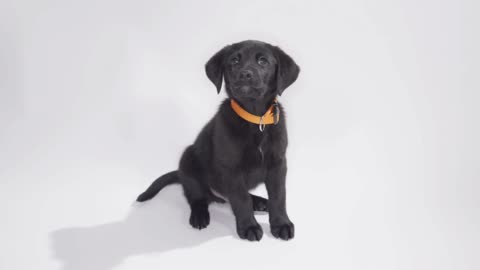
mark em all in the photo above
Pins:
pixel 252 70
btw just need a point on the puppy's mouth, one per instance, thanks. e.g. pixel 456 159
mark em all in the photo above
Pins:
pixel 246 91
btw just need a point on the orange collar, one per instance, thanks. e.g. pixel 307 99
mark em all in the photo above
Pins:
pixel 272 116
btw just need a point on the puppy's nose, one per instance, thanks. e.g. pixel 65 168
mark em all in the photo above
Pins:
pixel 246 75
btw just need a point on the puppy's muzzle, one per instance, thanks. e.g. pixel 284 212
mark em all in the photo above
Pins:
pixel 245 76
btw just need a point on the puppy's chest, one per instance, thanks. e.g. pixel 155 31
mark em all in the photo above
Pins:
pixel 258 152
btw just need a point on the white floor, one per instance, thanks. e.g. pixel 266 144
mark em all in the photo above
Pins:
pixel 97 98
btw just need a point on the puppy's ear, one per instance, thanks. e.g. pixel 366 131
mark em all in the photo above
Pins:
pixel 287 70
pixel 215 67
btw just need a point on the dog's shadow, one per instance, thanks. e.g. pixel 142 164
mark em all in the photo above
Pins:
pixel 156 226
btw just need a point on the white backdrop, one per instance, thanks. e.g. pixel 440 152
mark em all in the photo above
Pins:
pixel 383 124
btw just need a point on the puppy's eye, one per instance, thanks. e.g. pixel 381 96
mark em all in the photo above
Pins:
pixel 262 61
pixel 235 60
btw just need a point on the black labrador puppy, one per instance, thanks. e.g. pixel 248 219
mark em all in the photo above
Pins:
pixel 243 145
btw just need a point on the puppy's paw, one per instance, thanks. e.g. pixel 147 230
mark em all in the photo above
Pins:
pixel 251 233
pixel 259 203
pixel 284 231
pixel 199 217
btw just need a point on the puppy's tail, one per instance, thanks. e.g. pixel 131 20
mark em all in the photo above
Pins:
pixel 157 185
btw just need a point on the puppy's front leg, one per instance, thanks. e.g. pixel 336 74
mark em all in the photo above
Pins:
pixel 280 224
pixel 241 201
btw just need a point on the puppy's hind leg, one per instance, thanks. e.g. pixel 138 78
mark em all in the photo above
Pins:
pixel 259 203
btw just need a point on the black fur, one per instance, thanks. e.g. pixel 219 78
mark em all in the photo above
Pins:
pixel 232 156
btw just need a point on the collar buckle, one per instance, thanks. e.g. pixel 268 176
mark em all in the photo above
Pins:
pixel 261 125
pixel 276 112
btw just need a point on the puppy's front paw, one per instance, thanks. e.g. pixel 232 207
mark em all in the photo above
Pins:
pixel 199 217
pixel 284 231
pixel 251 233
